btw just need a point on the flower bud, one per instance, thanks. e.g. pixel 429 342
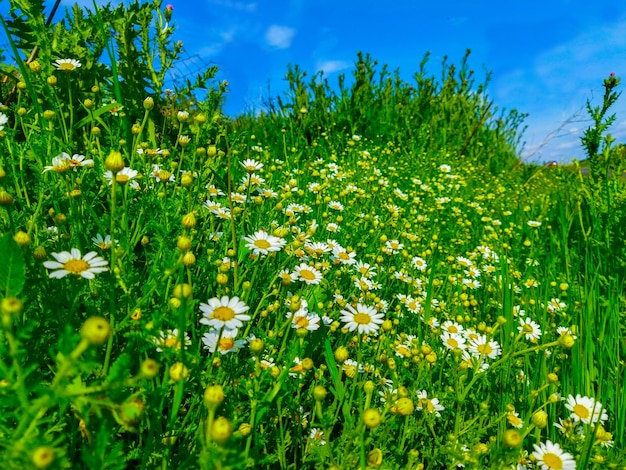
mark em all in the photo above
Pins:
pixel 371 417
pixel 96 330
pixel 114 162
pixel 221 430
pixel 178 372
pixel 213 396
pixel 148 103
pixel 540 419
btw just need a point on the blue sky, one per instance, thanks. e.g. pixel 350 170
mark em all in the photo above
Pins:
pixel 547 57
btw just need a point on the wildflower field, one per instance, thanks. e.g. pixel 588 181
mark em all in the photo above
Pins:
pixel 364 275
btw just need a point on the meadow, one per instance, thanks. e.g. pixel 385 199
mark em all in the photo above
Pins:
pixel 364 275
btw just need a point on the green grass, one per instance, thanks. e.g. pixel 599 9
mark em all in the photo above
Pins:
pixel 488 294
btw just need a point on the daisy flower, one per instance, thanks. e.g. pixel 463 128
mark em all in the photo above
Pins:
pixel 317 435
pixel 77 160
pixel 514 420
pixel 122 177
pixel 170 339
pixel 419 263
pixel 223 341
pixel 480 347
pixel 224 313
pixel 364 319
pixel 261 243
pixel 303 319
pixel 529 329
pixel 343 256
pixel 430 405
pixel 307 274
pixel 534 223
pixel 453 341
pixel 60 164
pixel 66 65
pixel 104 243
pixel 71 262
pixel 585 409
pixel 550 456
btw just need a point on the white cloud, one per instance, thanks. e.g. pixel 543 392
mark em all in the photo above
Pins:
pixel 249 7
pixel 330 66
pixel 279 36
pixel 558 84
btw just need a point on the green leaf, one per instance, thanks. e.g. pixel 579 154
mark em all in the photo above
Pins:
pixel 12 267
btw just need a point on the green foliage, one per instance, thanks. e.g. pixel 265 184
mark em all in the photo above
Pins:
pixel 12 268
pixel 489 295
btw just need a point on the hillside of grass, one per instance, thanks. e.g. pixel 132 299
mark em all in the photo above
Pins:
pixel 363 275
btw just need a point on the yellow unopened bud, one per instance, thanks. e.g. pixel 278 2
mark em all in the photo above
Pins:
pixel 189 220
pixel 148 103
pixel 149 369
pixel 34 66
pixel 221 430
pixel 566 341
pixel 405 406
pixel 5 198
pixel 368 387
pixel 319 392
pixel 11 306
pixel 52 80
pixel 189 259
pixel 213 396
pixel 183 243
pixel 341 354
pixel 183 291
pixel 186 180
pixel 178 372
pixel 43 457
pixel 245 429
pixel 96 330
pixel 371 418
pixel 211 151
pixel 88 103
pixel 40 253
pixel 512 438
pixel 540 419
pixel 114 162
pixel 22 238
pixel 375 457
pixel 222 279
pixel 307 363
pixel 387 325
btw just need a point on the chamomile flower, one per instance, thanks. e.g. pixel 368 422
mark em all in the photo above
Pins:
pixel 514 420
pixel 66 65
pixel 453 341
pixel 530 329
pixel 305 320
pixel 262 243
pixel 125 175
pixel 223 341
pixel 551 457
pixel 224 313
pixel 307 274
pixel 343 256
pixel 363 319
pixel 317 436
pixel 170 339
pixel 585 409
pixel 534 223
pixel 419 263
pixel 104 243
pixel 480 347
pixel 428 405
pixel 60 164
pixel 71 262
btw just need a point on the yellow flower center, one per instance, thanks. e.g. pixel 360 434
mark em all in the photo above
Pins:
pixel 527 329
pixel 172 342
pixel 362 318
pixel 121 179
pixel 66 66
pixel 164 175
pixel 485 349
pixel 223 313
pixel 226 344
pixel 343 255
pixel 552 460
pixel 76 266
pixel 453 343
pixel 262 244
pixel 307 274
pixel 453 329
pixel 581 411
pixel 302 322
